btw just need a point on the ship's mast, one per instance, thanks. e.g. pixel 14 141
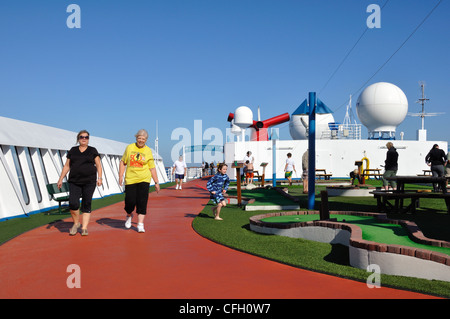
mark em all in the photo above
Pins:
pixel 422 133
pixel 422 101
pixel 348 119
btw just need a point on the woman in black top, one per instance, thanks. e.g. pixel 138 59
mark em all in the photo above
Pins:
pixel 83 162
pixel 436 159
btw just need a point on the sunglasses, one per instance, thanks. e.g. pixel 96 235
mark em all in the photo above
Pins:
pixel 84 137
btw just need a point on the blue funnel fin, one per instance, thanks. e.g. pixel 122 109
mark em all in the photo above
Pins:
pixel 303 109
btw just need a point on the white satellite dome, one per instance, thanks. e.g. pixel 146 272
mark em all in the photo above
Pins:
pixel 381 107
pixel 299 123
pixel 243 117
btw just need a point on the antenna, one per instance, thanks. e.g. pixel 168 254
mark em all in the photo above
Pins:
pixel 422 101
pixel 349 119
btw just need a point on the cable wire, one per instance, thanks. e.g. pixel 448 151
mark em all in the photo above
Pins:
pixel 395 52
pixel 348 53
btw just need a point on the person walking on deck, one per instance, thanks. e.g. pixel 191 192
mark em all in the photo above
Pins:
pixel 179 170
pixel 83 162
pixel 138 162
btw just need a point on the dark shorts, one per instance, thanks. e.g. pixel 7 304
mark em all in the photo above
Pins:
pixel 179 176
pixel 83 192
pixel 217 198
pixel 389 173
pixel 136 196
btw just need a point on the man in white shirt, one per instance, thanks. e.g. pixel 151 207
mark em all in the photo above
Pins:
pixel 179 170
pixel 249 157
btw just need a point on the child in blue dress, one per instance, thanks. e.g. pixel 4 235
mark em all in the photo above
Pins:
pixel 217 186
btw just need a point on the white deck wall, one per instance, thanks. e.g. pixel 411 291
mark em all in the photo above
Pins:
pixel 336 156
pixel 41 153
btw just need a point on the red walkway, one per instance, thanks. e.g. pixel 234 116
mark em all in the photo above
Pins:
pixel 168 261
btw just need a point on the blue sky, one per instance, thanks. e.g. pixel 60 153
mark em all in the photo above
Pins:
pixel 133 63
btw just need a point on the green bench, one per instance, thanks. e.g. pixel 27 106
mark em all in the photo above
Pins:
pixel 59 194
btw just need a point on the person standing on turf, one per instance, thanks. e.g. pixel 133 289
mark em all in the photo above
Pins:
pixel 289 168
pixel 390 166
pixel 218 186
pixel 305 172
pixel 436 159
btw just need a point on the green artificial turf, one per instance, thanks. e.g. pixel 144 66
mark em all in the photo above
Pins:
pixel 263 197
pixel 234 231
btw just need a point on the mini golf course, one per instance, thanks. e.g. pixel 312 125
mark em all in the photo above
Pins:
pixel 333 257
pixel 373 229
pixel 266 199
pixel 397 247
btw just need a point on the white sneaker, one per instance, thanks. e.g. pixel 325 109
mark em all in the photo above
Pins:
pixel 128 222
pixel 180 186
pixel 140 228
pixel 176 187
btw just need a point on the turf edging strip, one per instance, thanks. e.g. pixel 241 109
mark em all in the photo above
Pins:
pixel 392 259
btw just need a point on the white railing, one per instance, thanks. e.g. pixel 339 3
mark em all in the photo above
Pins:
pixel 343 132
pixel 191 173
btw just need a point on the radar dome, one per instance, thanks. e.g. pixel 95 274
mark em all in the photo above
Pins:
pixel 299 123
pixel 243 117
pixel 381 107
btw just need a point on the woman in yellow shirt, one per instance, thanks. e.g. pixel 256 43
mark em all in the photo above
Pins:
pixel 139 164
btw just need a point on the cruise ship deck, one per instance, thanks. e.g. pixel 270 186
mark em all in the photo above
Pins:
pixel 169 261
